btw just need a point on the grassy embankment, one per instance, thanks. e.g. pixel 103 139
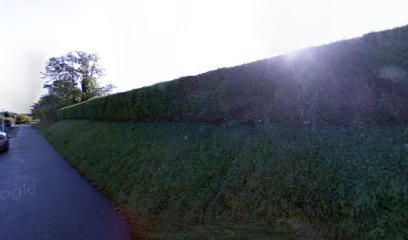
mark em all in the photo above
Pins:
pixel 348 182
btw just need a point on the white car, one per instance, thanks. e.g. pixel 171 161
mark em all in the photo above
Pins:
pixel 4 142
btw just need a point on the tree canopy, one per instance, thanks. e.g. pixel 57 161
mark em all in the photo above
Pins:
pixel 70 79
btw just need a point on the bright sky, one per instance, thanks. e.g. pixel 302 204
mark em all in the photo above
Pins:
pixel 142 42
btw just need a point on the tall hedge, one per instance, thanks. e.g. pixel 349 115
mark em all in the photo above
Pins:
pixel 358 80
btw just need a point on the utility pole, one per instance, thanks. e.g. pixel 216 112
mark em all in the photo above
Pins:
pixel 1 123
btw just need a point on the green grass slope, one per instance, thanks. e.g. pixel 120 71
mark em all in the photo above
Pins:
pixel 347 182
pixel 363 79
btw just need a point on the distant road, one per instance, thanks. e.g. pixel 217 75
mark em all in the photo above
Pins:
pixel 43 197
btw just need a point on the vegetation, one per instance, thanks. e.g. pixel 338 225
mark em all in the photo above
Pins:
pixel 348 182
pixel 347 82
pixel 8 114
pixel 7 120
pixel 69 79
pixel 317 137
pixel 23 119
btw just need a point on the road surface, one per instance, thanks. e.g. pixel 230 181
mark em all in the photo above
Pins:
pixel 43 197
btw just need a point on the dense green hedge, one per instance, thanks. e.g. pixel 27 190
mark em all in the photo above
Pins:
pixel 363 80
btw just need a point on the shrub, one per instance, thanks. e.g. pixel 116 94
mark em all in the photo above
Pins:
pixel 23 119
pixel 9 121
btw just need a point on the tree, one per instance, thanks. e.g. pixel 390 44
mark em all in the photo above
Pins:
pixel 69 79
pixel 77 73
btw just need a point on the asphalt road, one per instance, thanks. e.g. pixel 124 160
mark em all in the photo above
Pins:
pixel 43 197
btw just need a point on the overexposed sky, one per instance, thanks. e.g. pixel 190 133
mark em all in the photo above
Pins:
pixel 142 42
